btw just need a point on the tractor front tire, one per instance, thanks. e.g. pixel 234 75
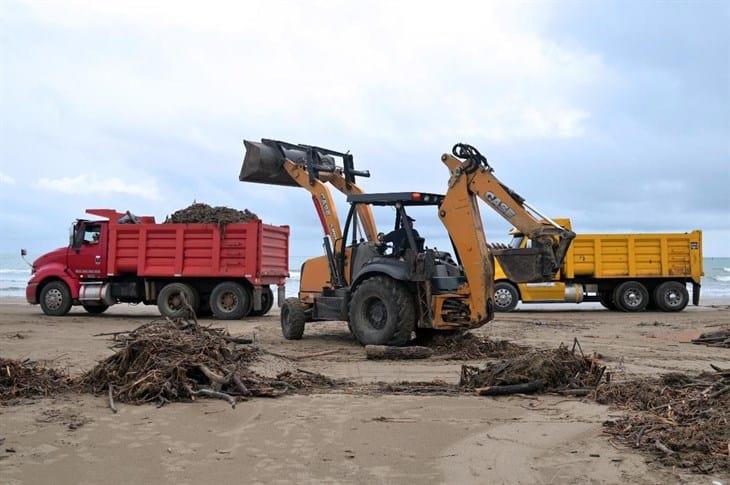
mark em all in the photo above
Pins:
pixel 382 312
pixel 293 318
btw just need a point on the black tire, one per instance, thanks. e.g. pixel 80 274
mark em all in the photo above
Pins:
pixel 671 296
pixel 55 299
pixel 230 301
pixel 606 299
pixel 506 297
pixel 293 318
pixel 170 303
pixel 96 309
pixel 382 312
pixel 631 296
pixel 204 310
pixel 267 301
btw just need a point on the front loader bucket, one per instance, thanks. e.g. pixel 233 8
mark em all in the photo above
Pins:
pixel 526 265
pixel 264 164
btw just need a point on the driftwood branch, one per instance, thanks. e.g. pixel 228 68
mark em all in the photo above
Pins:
pixel 111 399
pixel 379 352
pixel 217 395
pixel 510 389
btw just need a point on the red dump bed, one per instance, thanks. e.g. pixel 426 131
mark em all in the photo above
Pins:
pixel 256 251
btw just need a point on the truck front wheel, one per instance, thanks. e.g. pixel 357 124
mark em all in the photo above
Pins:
pixel 671 296
pixel 230 301
pixel 505 297
pixel 170 300
pixel 631 296
pixel 382 312
pixel 56 299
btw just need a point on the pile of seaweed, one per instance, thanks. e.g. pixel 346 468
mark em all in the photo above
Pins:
pixel 28 379
pixel 179 360
pixel 560 369
pixel 468 346
pixel 198 213
pixel 682 420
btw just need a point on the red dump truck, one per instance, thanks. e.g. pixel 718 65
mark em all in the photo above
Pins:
pixel 224 270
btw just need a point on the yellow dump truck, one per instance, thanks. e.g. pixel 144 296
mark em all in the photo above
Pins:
pixel 626 272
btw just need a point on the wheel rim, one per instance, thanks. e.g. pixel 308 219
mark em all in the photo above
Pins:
pixel 633 298
pixel 503 297
pixel 672 297
pixel 228 301
pixel 54 299
pixel 376 313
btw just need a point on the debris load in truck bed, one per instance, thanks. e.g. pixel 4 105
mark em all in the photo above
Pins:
pixel 27 379
pixel 536 370
pixel 198 213
pixel 167 360
pixel 720 338
pixel 682 420
pixel 468 346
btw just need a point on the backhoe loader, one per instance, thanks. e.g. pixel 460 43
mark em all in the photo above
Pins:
pixel 386 294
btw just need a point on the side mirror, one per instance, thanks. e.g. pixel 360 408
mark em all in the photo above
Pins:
pixel 23 253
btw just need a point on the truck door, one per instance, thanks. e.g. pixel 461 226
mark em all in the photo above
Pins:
pixel 87 257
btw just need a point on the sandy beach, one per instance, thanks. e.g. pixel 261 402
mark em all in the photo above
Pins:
pixel 339 437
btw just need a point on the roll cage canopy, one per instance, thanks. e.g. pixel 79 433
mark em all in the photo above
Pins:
pixel 397 198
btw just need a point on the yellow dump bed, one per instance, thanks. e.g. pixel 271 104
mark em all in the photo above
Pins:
pixel 630 272
pixel 635 256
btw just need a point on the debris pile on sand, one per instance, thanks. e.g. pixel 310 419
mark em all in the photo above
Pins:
pixel 560 369
pixel 198 213
pixel 720 338
pixel 468 346
pixel 28 379
pixel 168 360
pixel 682 420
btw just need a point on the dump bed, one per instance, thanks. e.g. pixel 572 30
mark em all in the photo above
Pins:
pixel 677 255
pixel 252 250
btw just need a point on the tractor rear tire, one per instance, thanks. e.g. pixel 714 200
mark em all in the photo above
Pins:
pixel 55 299
pixel 382 312
pixel 631 296
pixel 293 318
pixel 230 301
pixel 671 296
pixel 506 297
pixel 267 301
pixel 169 300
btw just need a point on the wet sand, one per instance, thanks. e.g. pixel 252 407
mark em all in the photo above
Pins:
pixel 343 438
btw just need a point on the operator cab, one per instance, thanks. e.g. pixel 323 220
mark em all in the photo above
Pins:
pixel 408 258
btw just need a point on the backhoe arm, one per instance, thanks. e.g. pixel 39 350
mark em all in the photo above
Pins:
pixel 550 242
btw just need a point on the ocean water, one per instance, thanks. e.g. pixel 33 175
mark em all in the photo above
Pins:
pixel 14 275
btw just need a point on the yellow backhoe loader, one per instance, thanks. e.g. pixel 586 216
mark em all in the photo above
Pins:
pixel 387 293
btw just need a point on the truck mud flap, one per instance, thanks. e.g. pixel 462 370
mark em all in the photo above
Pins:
pixel 696 294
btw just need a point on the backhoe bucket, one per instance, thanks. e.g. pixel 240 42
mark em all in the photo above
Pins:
pixel 526 265
pixel 264 164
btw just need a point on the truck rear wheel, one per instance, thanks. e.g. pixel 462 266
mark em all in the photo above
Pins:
pixel 506 297
pixel 293 318
pixel 170 300
pixel 631 296
pixel 56 299
pixel 606 299
pixel 382 312
pixel 230 301
pixel 96 309
pixel 671 296
pixel 267 301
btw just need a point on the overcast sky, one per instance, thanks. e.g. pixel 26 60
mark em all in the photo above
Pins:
pixel 616 114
